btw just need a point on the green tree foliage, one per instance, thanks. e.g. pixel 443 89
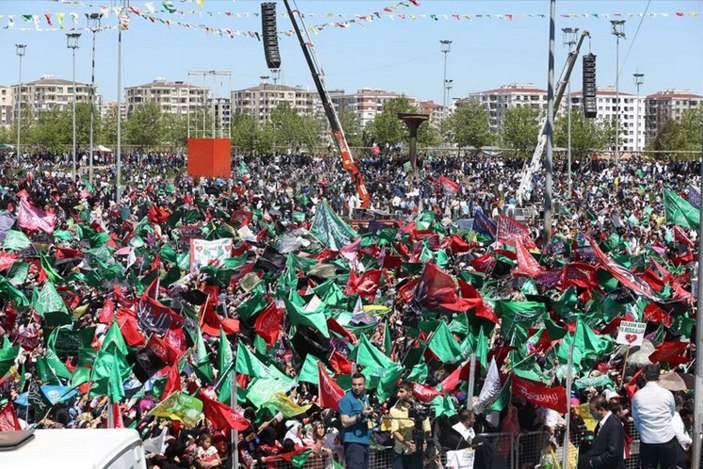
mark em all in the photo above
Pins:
pixel 51 129
pixel 174 129
pixel 108 128
pixel 387 128
pixel 246 132
pixel 521 129
pixel 352 129
pixel 143 126
pixel 294 131
pixel 469 126
pixel 587 135
pixel 684 135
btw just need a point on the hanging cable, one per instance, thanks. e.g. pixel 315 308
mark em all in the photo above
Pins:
pixel 632 43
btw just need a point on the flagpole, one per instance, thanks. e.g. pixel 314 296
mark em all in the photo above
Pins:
pixel 472 379
pixel 110 414
pixel 235 433
pixel 698 388
pixel 569 381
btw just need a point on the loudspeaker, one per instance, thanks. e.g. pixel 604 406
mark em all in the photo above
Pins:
pixel 590 109
pixel 268 30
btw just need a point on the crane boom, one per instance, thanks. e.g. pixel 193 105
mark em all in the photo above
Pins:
pixel 337 131
pixel 533 166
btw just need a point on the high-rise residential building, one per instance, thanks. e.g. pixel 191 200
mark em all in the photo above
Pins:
pixel 108 107
pixel 172 97
pixel 6 116
pixel 51 93
pixel 262 99
pixel 434 110
pixel 631 110
pixel 669 104
pixel 365 103
pixel 498 100
pixel 223 116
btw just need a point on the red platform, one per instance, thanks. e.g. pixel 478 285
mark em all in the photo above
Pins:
pixel 209 157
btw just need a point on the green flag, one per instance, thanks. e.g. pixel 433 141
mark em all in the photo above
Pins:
pixel 312 315
pixel 679 211
pixel 49 304
pixel 7 358
pixel 181 407
pixel 372 359
pixel 443 344
pixel 329 229
pixel 16 241
pixel 10 292
pixel 224 354
pixel 309 373
pixel 517 316
pixel 503 398
pixel 248 364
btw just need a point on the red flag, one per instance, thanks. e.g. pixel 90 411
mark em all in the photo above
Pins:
pixel 452 381
pixel 366 285
pixel 526 264
pixel 448 185
pixel 158 215
pixel 680 236
pixel 653 313
pixel 68 253
pixel 484 262
pixel 632 384
pixel 509 231
pixel 334 326
pixel 119 423
pixel 221 416
pixel 671 353
pixel 457 244
pixel 340 364
pixel 107 312
pixel 7 259
pixel 176 339
pixel 210 321
pixel 330 392
pixel 127 321
pixel 424 393
pixel 579 274
pixel 173 381
pixel 268 324
pixel 8 419
pixel 540 394
pixel 438 290
pixel 623 275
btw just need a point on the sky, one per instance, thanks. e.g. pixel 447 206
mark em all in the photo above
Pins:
pixel 493 43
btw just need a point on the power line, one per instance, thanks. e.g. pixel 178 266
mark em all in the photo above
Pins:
pixel 632 43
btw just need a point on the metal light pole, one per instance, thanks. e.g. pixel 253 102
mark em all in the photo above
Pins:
pixel 570 35
pixel 449 84
pixel 639 80
pixel 72 43
pixel 549 130
pixel 123 22
pixel 93 25
pixel 698 386
pixel 618 30
pixel 446 45
pixel 20 49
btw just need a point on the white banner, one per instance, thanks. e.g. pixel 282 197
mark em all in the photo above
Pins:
pixel 212 253
pixel 631 333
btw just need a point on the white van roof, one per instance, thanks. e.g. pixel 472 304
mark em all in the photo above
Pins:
pixel 71 448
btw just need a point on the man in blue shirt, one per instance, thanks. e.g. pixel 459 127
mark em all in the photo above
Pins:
pixel 354 410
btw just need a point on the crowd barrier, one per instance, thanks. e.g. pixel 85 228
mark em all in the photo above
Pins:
pixel 522 451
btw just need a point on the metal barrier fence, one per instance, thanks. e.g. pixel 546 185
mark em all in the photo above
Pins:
pixel 523 451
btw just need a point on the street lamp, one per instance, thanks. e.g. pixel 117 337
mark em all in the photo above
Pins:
pixel 618 30
pixel 20 49
pixel 93 20
pixel 639 80
pixel 569 36
pixel 446 47
pixel 123 24
pixel 72 43
pixel 448 85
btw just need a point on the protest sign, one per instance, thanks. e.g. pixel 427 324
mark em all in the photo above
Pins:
pixel 631 333
pixel 209 253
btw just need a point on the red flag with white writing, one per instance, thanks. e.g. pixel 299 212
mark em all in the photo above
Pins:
pixel 509 231
pixel 8 419
pixel 330 392
pixel 540 394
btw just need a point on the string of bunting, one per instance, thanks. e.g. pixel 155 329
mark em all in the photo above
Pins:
pixel 58 21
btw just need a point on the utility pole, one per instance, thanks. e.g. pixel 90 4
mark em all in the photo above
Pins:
pixel 639 80
pixel 72 43
pixel 619 32
pixel 20 50
pixel 446 45
pixel 94 27
pixel 570 35
pixel 123 24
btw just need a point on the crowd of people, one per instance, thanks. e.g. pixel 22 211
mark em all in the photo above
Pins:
pixel 343 339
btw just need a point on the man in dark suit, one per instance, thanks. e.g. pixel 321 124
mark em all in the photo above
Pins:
pixel 608 449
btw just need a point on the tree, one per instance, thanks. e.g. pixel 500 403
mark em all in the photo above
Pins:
pixel 521 129
pixel 174 129
pixel 108 128
pixel 386 128
pixel 51 130
pixel 311 130
pixel 684 135
pixel 469 126
pixel 143 126
pixel 587 135
pixel 246 131
pixel 350 124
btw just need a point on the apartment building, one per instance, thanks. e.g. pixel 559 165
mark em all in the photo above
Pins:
pixel 262 99
pixel 435 111
pixel 51 93
pixel 222 108
pixel 6 110
pixel 631 115
pixel 173 97
pixel 669 104
pixel 365 103
pixel 498 100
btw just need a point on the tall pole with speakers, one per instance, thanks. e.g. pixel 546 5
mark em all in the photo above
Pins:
pixel 123 24
pixel 20 50
pixel 570 41
pixel 72 43
pixel 446 46
pixel 639 80
pixel 94 27
pixel 618 30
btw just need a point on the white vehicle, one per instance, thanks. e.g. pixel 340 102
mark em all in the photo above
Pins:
pixel 72 449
